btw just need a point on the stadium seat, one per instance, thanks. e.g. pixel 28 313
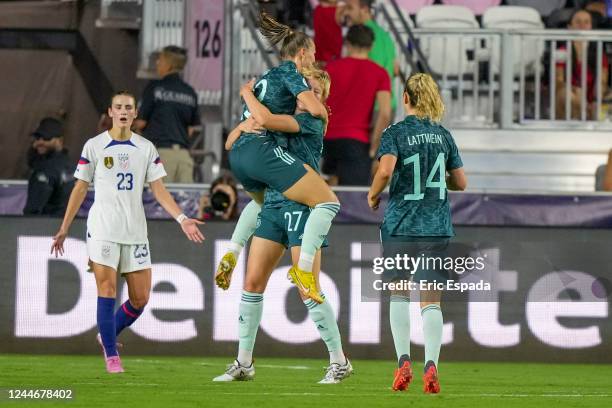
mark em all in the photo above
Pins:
pixel 477 6
pixel 544 7
pixel 447 59
pixel 514 17
pixel 413 6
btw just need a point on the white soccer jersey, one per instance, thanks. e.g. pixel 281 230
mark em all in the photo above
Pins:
pixel 119 170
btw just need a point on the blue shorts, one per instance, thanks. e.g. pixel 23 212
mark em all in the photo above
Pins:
pixel 260 163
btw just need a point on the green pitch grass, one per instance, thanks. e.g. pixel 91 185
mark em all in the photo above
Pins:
pixel 170 382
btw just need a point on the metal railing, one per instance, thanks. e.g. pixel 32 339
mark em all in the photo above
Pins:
pixel 457 61
pixel 162 25
pixel 509 78
pixel 251 55
pixel 489 78
pixel 566 76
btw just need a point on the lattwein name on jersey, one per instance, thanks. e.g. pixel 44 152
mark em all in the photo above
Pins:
pixel 424 138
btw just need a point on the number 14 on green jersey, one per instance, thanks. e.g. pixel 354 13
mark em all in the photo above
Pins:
pixel 439 166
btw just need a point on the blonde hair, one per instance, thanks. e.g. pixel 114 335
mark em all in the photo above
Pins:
pixel 275 32
pixel 424 97
pixel 321 76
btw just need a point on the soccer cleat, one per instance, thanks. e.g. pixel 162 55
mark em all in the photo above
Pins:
pixel 337 372
pixel 237 372
pixel 223 277
pixel 403 377
pixel 113 365
pixel 431 385
pixel 305 283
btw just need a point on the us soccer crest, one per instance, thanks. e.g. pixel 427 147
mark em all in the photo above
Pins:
pixel 124 161
pixel 108 162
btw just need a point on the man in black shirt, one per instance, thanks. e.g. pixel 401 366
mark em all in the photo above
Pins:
pixel 51 180
pixel 167 112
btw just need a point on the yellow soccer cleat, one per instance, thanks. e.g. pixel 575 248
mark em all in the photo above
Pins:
pixel 223 277
pixel 305 283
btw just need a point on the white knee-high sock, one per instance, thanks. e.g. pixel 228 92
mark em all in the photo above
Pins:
pixel 316 229
pixel 245 227
pixel 399 319
pixel 432 330
pixel 323 317
pixel 250 309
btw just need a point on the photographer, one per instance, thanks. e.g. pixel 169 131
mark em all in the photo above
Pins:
pixel 221 203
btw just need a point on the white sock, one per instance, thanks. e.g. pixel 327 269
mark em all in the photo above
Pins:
pixel 235 248
pixel 337 357
pixel 305 262
pixel 245 357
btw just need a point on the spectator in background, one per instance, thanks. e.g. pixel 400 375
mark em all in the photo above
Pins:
pixel 357 83
pixel 221 203
pixel 168 112
pixel 599 12
pixel 580 20
pixel 327 31
pixel 51 179
pixel 383 49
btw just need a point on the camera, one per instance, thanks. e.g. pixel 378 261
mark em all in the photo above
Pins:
pixel 219 203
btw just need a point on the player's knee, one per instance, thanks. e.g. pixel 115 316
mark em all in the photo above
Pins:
pixel 426 303
pixel 254 286
pixel 334 198
pixel 140 301
pixel 403 293
pixel 107 289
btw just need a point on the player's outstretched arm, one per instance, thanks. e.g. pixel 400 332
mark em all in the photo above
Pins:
pixel 78 194
pixel 263 116
pixel 381 179
pixel 189 225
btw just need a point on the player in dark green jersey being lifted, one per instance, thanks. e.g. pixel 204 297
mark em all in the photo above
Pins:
pixel 281 225
pixel 421 160
pixel 262 161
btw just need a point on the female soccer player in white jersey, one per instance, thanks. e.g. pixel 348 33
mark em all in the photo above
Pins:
pixel 119 163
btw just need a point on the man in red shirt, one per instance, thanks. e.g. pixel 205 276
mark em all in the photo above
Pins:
pixel 357 84
pixel 327 31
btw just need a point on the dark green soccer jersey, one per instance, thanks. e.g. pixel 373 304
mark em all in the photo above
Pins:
pixel 306 145
pixel 277 89
pixel 418 203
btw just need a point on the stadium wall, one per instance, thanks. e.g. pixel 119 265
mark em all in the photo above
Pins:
pixel 47 305
pixel 38 83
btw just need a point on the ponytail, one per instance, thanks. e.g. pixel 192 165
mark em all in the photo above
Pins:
pixel 276 33
pixel 424 97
